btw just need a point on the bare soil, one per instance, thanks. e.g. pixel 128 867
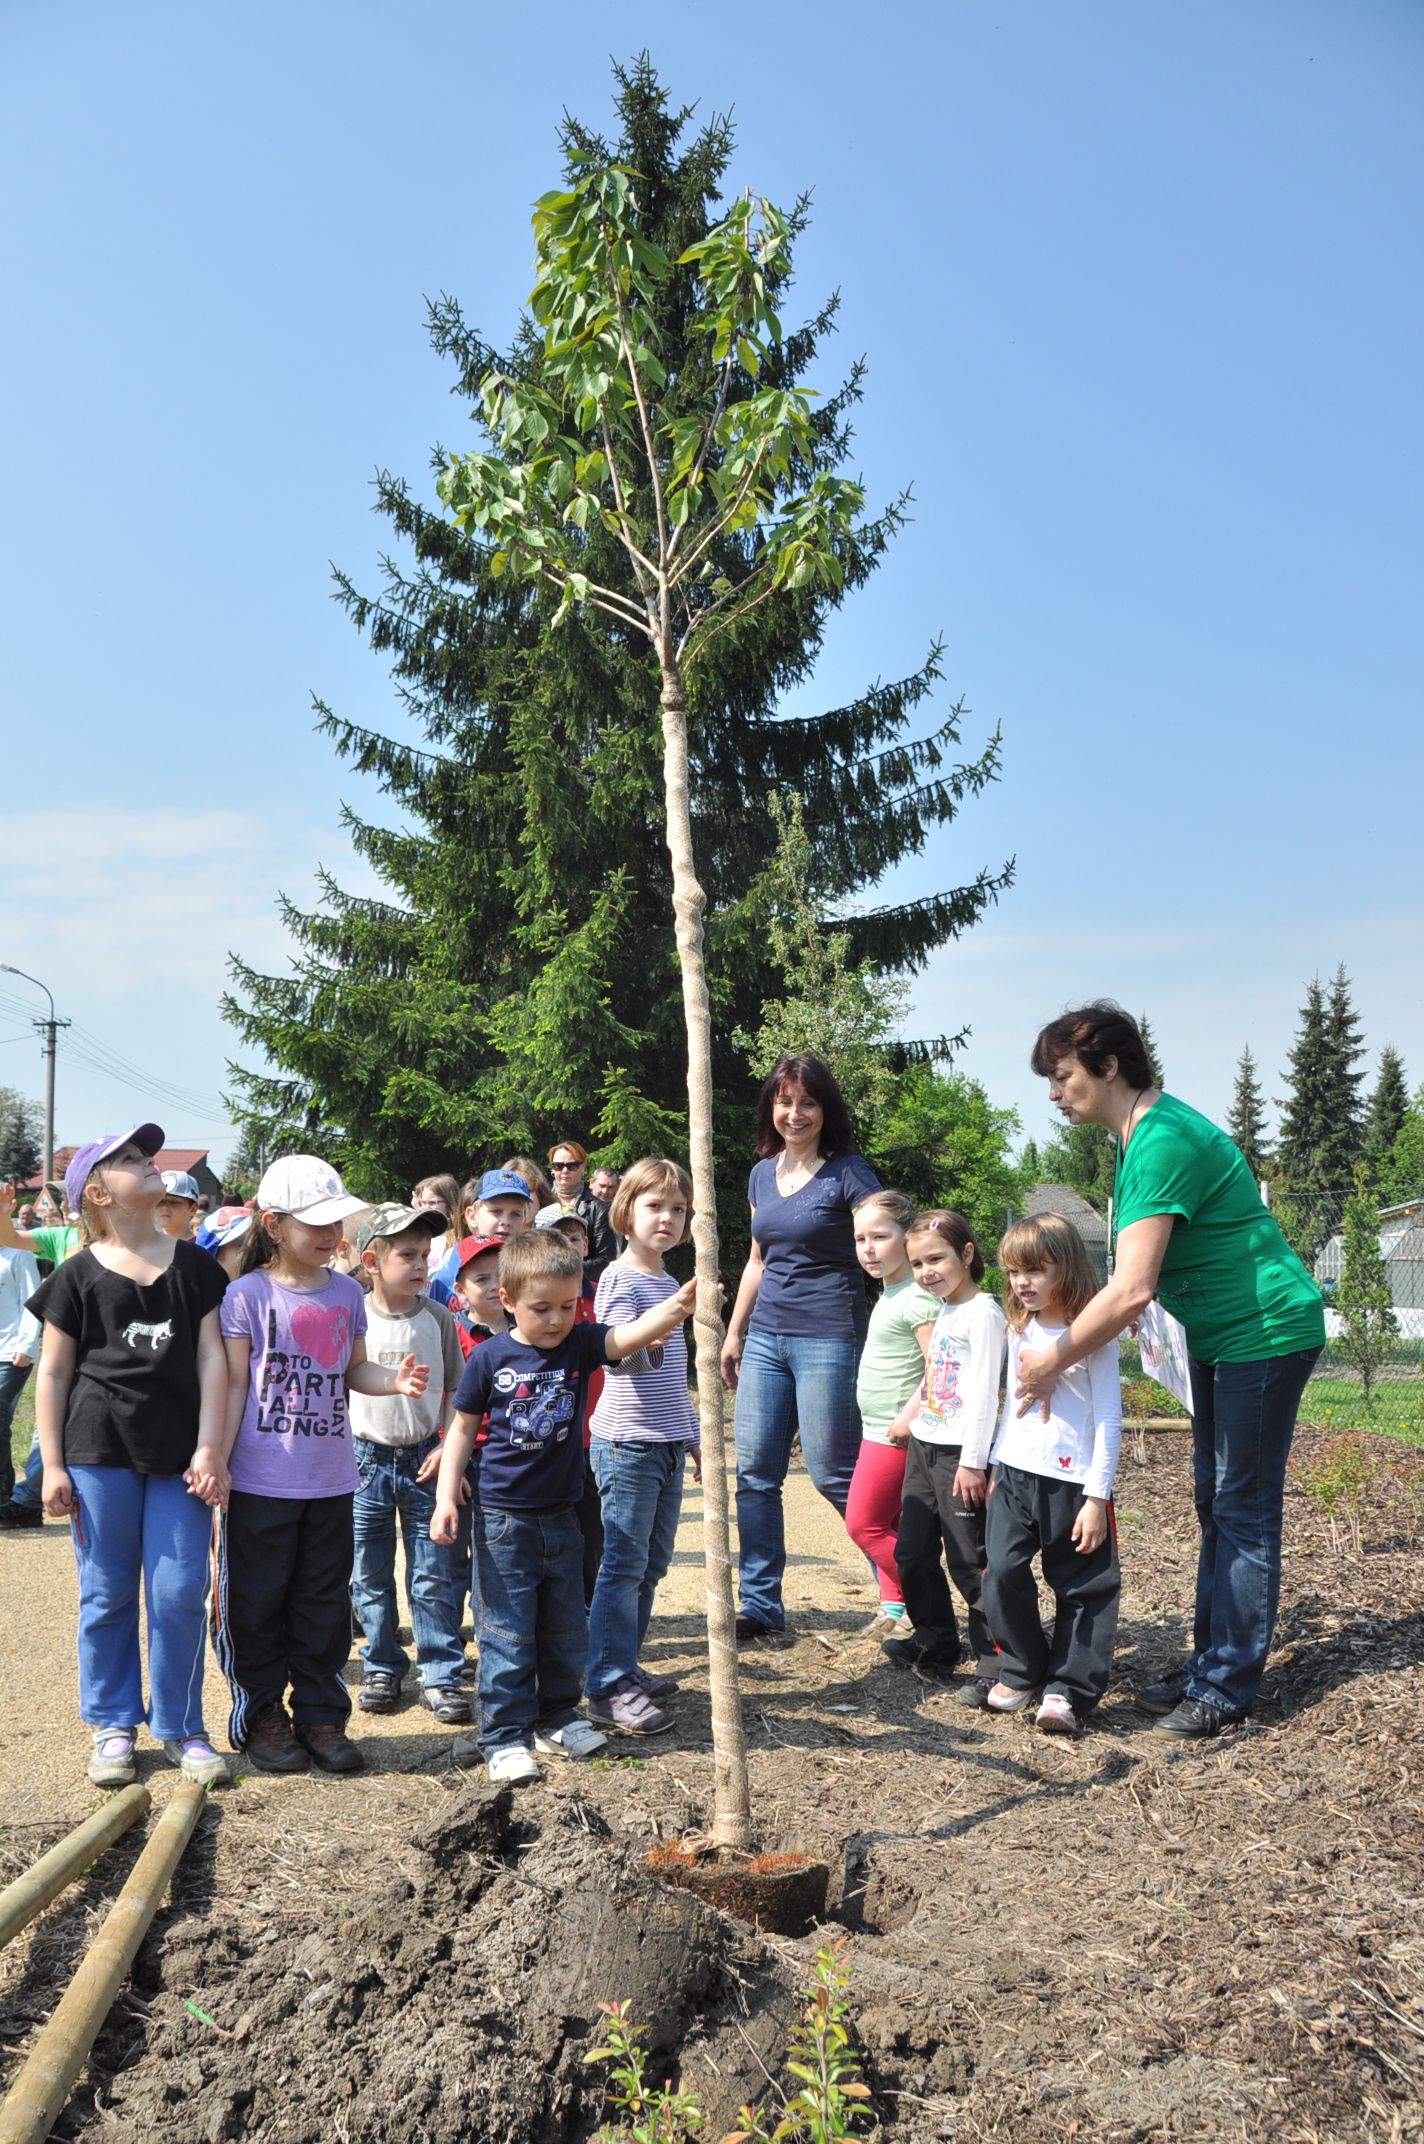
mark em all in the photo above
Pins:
pixel 1101 1939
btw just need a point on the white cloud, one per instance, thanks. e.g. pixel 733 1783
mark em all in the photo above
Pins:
pixel 129 916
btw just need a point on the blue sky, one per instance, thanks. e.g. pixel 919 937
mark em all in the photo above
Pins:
pixel 1141 293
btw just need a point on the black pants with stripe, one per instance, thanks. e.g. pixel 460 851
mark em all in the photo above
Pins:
pixel 936 1532
pixel 1032 1515
pixel 282 1607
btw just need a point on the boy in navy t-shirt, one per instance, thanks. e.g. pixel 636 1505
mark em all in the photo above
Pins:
pixel 523 1396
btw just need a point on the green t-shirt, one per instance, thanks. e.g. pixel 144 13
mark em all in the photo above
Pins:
pixel 1228 1272
pixel 892 1361
pixel 55 1244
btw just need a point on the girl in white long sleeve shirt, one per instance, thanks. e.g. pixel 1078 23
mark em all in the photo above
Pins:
pixel 1052 1494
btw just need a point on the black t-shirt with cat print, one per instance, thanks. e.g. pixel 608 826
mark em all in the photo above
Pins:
pixel 134 1399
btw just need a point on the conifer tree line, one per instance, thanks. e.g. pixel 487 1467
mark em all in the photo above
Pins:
pixel 516 979
pixel 1333 1123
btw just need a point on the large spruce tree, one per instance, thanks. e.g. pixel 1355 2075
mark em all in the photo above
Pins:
pixel 1384 1119
pixel 1303 1146
pixel 1247 1122
pixel 518 978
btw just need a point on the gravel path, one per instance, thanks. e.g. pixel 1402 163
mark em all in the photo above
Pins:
pixel 44 1745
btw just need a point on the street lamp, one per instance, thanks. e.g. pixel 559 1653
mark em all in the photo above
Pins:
pixel 48 1028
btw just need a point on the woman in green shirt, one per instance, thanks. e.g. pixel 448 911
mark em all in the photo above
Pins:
pixel 1191 1230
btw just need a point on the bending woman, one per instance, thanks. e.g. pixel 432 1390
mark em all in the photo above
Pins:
pixel 1192 1231
pixel 796 1330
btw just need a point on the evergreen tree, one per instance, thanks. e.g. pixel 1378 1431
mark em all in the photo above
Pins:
pixel 1403 1172
pixel 1030 1164
pixel 1346 1138
pixel 517 978
pixel 1081 1156
pixel 1150 1046
pixel 1367 1320
pixel 1247 1122
pixel 1384 1119
pixel 1304 1144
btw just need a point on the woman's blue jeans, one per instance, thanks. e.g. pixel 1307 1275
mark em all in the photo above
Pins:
pixel 640 1490
pixel 1242 1424
pixel 789 1381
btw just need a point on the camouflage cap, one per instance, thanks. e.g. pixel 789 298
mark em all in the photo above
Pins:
pixel 392 1220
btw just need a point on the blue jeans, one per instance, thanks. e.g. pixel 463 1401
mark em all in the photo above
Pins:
pixel 390 1496
pixel 530 1621
pixel 131 1530
pixel 640 1492
pixel 12 1384
pixel 1242 1424
pixel 789 1381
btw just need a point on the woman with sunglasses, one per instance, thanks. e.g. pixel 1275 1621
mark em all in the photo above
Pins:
pixel 567 1162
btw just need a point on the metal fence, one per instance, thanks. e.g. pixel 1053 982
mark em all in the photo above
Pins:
pixel 1313 1223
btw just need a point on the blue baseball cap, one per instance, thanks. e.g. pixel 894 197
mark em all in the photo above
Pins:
pixel 503 1184
pixel 86 1159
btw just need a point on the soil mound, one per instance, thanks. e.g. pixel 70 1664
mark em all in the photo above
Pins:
pixel 454 2002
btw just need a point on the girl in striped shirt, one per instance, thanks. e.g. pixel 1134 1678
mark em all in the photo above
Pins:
pixel 642 1428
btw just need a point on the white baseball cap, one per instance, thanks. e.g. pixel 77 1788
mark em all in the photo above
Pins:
pixel 307 1188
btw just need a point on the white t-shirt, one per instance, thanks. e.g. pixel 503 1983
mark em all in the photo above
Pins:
pixel 428 1333
pixel 1081 1439
pixel 962 1379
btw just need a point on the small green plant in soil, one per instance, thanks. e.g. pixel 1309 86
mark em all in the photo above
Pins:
pixel 828 2108
pixel 1337 1479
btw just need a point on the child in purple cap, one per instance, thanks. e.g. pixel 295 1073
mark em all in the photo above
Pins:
pixel 129 1402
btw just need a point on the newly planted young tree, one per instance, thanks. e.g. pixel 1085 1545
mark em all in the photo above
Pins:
pixel 713 508
pixel 1367 1321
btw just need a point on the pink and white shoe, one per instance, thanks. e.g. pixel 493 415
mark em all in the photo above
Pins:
pixel 1057 1717
pixel 1005 1698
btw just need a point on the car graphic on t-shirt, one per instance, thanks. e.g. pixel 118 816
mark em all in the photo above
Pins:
pixel 540 1411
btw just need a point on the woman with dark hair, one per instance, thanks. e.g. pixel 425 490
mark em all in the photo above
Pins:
pixel 1191 1230
pixel 798 1324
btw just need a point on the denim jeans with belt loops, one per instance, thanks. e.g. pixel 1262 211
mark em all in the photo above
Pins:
pixel 786 1382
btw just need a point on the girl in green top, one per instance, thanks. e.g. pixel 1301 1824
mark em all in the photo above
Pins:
pixel 1191 1230
pixel 892 1363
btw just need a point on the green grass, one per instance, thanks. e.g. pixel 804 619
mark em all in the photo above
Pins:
pixel 1396 1406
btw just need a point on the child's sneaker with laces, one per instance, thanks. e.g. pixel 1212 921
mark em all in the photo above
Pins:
pixel 1057 1717
pixel 578 1740
pixel 513 1765
pixel 111 1762
pixel 196 1758
pixel 379 1692
pixel 627 1709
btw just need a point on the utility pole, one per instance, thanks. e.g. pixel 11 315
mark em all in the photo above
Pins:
pixel 48 1029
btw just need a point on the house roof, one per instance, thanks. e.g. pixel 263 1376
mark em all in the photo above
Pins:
pixel 1072 1206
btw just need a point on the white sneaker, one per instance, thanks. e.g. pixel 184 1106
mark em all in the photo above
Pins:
pixel 111 1763
pixel 513 1766
pixel 577 1740
pixel 1057 1717
pixel 196 1758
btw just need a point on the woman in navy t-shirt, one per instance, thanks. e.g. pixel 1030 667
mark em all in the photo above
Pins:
pixel 795 1334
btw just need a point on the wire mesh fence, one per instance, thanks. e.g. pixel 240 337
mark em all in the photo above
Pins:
pixel 1313 1223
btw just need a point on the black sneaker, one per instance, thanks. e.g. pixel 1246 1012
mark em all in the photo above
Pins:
pixel 14 1515
pixel 329 1746
pixel 1166 1695
pixel 1194 1719
pixel 751 1630
pixel 975 1692
pixel 379 1692
pixel 271 1745
pixel 449 1703
pixel 915 1654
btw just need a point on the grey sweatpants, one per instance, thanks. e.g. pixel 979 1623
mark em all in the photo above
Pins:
pixel 1032 1515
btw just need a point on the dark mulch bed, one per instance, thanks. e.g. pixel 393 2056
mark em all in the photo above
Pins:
pixel 1103 1939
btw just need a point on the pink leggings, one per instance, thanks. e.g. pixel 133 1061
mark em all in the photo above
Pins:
pixel 873 1510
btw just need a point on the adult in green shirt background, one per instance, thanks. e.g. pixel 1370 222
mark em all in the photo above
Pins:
pixel 55 1244
pixel 1191 1230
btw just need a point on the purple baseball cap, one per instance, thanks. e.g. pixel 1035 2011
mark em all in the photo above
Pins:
pixel 88 1158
